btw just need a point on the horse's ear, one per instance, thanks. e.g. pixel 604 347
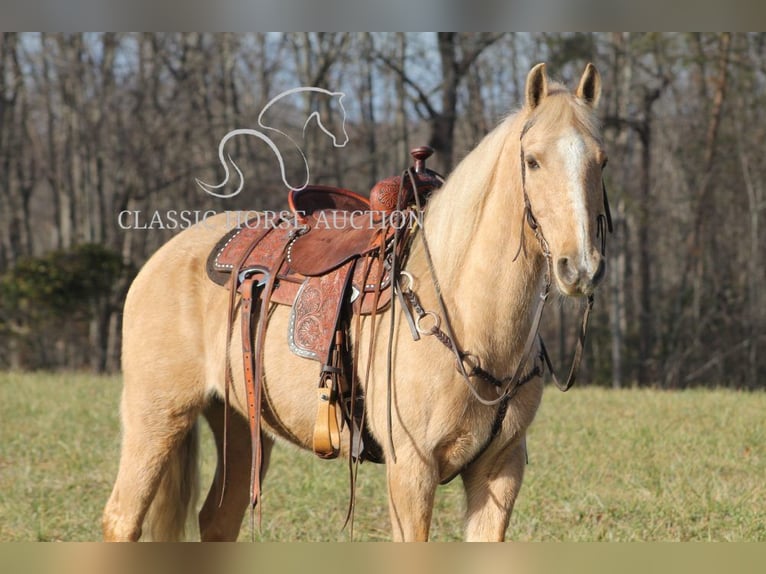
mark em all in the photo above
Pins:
pixel 590 86
pixel 537 86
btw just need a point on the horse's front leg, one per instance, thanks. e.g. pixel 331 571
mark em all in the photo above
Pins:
pixel 411 488
pixel 491 485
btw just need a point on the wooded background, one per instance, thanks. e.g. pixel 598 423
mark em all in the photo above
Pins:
pixel 98 123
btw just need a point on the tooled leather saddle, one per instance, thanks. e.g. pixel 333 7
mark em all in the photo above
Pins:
pixel 331 260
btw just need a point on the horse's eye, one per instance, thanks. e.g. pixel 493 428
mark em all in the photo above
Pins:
pixel 532 163
pixel 603 164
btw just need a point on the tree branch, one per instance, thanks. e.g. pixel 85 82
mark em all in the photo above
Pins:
pixel 422 96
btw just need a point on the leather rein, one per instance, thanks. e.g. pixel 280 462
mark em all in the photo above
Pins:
pixel 467 364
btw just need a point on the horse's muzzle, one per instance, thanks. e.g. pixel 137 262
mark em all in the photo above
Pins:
pixel 580 278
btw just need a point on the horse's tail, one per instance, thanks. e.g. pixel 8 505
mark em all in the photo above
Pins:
pixel 173 505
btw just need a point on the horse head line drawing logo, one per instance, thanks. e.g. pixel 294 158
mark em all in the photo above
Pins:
pixel 338 140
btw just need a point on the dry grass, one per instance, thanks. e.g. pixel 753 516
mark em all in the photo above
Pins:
pixel 604 465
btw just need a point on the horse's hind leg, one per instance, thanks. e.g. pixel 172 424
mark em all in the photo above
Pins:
pixel 157 423
pixel 221 519
pixel 491 485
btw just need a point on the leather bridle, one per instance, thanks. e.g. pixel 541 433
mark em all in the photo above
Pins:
pixel 466 363
pixel 446 335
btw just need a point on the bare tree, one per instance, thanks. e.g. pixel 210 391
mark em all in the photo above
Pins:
pixel 457 54
pixel 92 125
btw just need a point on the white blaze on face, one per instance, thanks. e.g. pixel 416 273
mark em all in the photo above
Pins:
pixel 571 148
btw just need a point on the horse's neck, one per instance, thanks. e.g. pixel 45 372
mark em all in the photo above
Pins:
pixel 473 228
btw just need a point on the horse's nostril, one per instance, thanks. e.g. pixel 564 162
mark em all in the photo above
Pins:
pixel 566 271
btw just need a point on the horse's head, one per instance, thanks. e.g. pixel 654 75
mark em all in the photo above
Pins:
pixel 562 158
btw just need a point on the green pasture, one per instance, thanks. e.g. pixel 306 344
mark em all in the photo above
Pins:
pixel 603 465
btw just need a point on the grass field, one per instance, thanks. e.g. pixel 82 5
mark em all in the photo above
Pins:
pixel 604 465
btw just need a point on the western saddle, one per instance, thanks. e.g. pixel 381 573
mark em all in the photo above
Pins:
pixel 331 262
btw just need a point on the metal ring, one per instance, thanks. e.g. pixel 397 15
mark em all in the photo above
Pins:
pixel 410 281
pixel 437 323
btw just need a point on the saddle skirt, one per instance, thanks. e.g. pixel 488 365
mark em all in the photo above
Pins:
pixel 305 255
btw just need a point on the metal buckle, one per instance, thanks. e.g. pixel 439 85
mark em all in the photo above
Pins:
pixel 410 281
pixel 247 273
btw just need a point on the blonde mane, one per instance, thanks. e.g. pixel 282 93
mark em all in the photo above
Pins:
pixel 455 211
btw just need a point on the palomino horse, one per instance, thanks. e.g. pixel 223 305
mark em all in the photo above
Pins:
pixel 525 204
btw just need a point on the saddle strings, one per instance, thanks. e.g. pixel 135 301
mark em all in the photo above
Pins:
pixel 399 238
pixel 354 464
